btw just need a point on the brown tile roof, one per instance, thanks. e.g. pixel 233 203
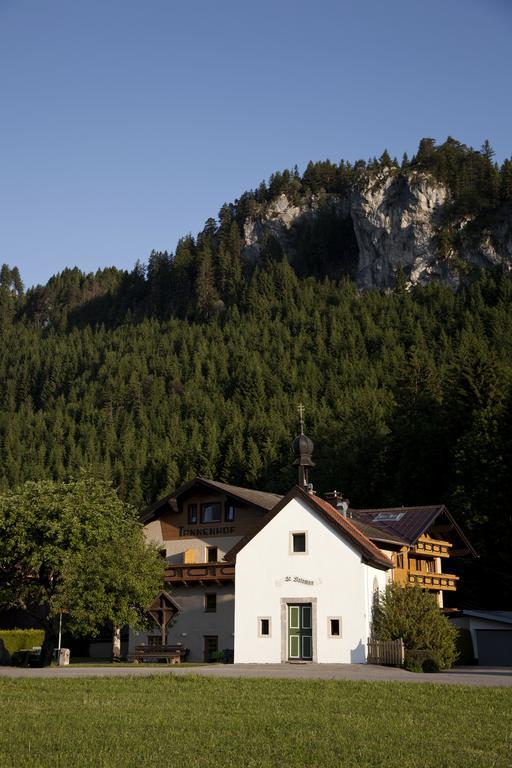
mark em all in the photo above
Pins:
pixel 371 553
pixel 260 499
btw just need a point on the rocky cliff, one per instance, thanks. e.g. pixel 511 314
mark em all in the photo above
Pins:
pixel 395 220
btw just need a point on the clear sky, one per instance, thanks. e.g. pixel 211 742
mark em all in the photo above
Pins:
pixel 125 124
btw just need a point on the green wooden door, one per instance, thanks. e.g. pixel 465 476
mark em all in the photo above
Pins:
pixel 300 636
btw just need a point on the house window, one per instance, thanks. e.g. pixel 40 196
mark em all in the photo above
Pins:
pixel 210 513
pixel 298 543
pixel 400 561
pixel 212 555
pixel 334 626
pixel 230 513
pixel 263 627
pixel 192 514
pixel 210 602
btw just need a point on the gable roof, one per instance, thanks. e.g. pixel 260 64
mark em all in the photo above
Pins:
pixel 370 552
pixel 260 499
pixel 414 521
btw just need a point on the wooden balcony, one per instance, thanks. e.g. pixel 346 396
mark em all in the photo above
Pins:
pixel 436 581
pixel 198 573
pixel 431 548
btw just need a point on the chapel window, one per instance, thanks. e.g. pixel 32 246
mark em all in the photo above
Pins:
pixel 299 543
pixel 264 627
pixel 334 626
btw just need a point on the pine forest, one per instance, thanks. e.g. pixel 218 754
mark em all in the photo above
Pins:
pixel 195 363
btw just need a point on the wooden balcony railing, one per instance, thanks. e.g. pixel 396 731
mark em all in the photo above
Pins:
pixel 437 581
pixel 200 572
pixel 431 548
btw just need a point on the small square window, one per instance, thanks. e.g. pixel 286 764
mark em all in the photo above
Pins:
pixel 192 514
pixel 212 555
pixel 210 602
pixel 210 513
pixel 299 542
pixel 230 513
pixel 264 627
pixel 334 626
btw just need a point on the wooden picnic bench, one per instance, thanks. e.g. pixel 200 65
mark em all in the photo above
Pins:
pixel 28 657
pixel 172 654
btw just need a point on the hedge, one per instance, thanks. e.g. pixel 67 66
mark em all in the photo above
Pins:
pixel 13 640
pixel 422 660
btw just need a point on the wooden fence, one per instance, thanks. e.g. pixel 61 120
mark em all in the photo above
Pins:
pixel 388 652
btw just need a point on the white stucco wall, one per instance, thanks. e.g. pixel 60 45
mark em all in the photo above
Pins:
pixel 342 587
pixel 176 548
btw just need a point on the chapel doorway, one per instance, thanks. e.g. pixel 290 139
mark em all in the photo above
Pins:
pixel 300 632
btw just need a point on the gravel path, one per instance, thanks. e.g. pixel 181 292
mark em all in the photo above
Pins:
pixel 482 676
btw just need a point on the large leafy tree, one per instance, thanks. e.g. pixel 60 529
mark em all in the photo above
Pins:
pixel 74 547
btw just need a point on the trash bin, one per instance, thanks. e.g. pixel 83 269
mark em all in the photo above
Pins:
pixel 63 657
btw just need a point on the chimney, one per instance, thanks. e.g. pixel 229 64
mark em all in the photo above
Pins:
pixel 335 498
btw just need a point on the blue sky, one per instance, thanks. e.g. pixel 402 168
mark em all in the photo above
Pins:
pixel 127 123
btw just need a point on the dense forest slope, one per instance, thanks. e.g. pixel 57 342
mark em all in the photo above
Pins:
pixel 195 363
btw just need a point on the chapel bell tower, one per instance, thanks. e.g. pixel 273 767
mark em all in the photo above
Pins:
pixel 303 450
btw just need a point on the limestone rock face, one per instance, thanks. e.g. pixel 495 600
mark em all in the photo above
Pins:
pixel 395 220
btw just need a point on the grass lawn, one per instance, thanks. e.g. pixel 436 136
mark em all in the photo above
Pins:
pixel 184 722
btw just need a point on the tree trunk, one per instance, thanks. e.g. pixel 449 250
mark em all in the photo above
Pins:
pixel 116 644
pixel 49 643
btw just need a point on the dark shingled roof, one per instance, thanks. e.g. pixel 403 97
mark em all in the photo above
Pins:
pixel 413 523
pixel 378 533
pixel 260 499
pixel 370 552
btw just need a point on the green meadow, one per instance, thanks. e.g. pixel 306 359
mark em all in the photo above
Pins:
pixel 198 721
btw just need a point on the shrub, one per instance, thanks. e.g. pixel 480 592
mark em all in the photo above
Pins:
pixel 423 660
pixel 430 665
pixel 413 615
pixel 13 640
pixel 465 654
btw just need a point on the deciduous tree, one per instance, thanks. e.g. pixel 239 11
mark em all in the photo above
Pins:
pixel 74 547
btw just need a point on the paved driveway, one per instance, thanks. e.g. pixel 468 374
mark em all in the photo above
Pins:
pixel 484 676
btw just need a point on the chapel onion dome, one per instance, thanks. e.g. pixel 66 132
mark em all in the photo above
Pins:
pixel 302 448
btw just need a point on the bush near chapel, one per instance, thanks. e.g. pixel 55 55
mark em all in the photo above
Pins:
pixel 413 615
